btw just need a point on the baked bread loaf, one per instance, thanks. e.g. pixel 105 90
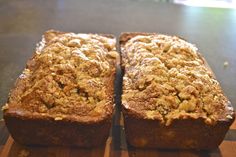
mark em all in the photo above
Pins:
pixel 170 98
pixel 65 94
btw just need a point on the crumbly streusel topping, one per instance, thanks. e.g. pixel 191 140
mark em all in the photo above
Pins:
pixel 166 79
pixel 70 74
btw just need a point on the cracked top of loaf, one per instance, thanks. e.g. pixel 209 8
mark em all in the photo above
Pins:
pixel 166 78
pixel 70 75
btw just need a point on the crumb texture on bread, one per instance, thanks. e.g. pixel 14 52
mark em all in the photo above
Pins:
pixel 69 75
pixel 165 78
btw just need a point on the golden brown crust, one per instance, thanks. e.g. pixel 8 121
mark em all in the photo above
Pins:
pixel 68 84
pixel 166 78
pixel 124 37
pixel 154 98
pixel 71 75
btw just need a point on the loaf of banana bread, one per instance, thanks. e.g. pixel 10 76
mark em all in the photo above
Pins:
pixel 170 98
pixel 65 94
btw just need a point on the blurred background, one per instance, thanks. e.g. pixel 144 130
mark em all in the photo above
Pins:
pixel 208 3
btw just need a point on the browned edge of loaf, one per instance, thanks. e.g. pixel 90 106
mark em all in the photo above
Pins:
pixel 181 134
pixel 39 130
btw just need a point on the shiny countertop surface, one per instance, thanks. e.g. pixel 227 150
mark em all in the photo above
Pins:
pixel 23 22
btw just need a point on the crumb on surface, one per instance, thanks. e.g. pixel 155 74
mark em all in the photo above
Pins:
pixel 226 64
pixel 24 153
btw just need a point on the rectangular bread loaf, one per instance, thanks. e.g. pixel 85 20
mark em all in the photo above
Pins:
pixel 170 98
pixel 65 94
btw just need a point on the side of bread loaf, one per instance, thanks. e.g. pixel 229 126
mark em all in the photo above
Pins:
pixel 65 94
pixel 170 98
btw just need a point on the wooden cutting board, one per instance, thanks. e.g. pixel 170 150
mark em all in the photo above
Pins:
pixel 116 147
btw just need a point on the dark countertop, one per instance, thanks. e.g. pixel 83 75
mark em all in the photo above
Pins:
pixel 23 22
